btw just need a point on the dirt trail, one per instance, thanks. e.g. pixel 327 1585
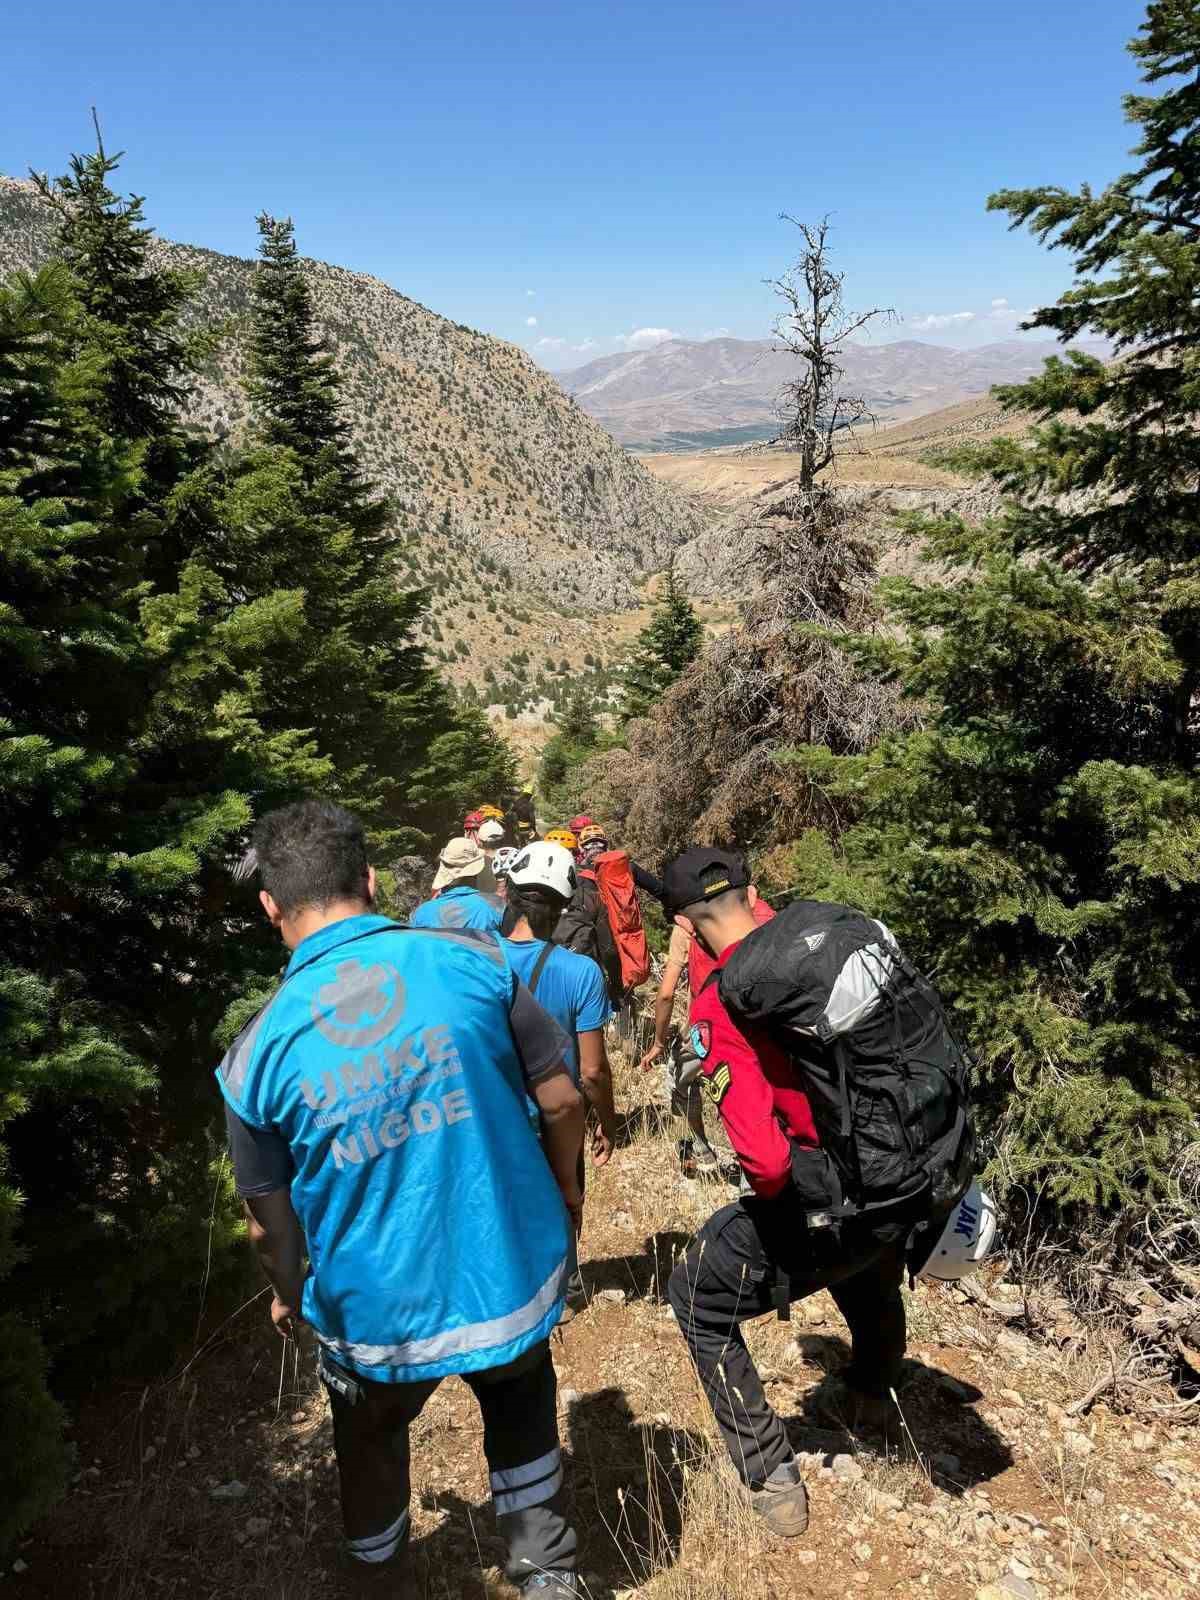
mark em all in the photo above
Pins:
pixel 222 1484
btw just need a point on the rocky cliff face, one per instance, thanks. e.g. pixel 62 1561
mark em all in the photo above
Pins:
pixel 483 452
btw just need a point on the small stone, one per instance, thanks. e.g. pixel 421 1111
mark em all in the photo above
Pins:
pixel 148 1454
pixel 193 1453
pixel 621 1219
pixel 613 1296
pixel 804 1558
pixel 863 1552
pixel 569 1397
pixel 845 1466
pixel 1015 1345
pixel 1077 1443
pixel 233 1490
pixel 20 1566
pixel 1014 1398
pixel 299 1416
pixel 257 1526
pixel 1093 1496
pixel 1141 1440
pixel 91 1472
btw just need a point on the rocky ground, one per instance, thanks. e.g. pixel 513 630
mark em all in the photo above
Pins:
pixel 221 1482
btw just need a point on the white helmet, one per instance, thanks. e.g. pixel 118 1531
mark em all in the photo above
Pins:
pixel 966 1240
pixel 543 865
pixel 502 860
pixel 490 832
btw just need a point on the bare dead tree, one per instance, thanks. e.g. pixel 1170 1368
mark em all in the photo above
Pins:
pixel 815 328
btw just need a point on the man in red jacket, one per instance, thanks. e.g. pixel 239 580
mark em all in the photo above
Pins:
pixel 763 1252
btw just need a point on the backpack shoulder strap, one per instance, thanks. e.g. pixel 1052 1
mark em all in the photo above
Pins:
pixel 539 966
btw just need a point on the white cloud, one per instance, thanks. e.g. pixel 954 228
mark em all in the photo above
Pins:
pixel 715 333
pixel 644 338
pixel 531 322
pixel 941 319
pixel 529 293
pixel 1000 303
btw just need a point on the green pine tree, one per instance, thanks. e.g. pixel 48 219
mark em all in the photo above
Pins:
pixel 668 643
pixel 403 754
pixel 1037 843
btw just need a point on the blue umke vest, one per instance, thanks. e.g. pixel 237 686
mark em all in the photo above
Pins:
pixel 436 1233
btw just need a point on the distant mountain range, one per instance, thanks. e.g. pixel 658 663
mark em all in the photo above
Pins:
pixel 484 456
pixel 694 394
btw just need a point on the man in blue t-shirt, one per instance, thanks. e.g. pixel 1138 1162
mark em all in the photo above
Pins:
pixel 541 881
pixel 461 888
pixel 378 1120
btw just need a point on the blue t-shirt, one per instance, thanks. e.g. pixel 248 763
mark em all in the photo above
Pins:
pixel 460 907
pixel 386 1082
pixel 571 988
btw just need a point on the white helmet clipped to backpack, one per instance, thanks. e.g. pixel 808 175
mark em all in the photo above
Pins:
pixel 542 865
pixel 966 1240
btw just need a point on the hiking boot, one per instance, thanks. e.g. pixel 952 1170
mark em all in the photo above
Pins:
pixel 576 1298
pixel 551 1586
pixel 697 1162
pixel 857 1410
pixel 782 1502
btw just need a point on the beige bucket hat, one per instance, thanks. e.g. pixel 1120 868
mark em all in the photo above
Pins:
pixel 461 858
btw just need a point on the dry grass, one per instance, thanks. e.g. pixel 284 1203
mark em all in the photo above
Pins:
pixel 985 1480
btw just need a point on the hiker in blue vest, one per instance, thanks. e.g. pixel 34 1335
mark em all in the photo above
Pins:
pixel 462 891
pixel 378 1122
pixel 541 881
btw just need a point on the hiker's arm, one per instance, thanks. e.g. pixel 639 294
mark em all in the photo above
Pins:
pixel 596 1081
pixel 646 881
pixel 262 1171
pixel 561 1106
pixel 542 1047
pixel 735 1084
pixel 278 1240
pixel 664 1009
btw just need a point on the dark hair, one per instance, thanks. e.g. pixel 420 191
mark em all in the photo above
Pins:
pixel 311 854
pixel 542 907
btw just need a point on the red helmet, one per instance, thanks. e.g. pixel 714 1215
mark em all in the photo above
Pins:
pixel 578 824
pixel 474 821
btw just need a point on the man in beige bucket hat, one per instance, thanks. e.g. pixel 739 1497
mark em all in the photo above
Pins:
pixel 464 888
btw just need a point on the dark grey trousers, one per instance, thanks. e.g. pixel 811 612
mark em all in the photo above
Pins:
pixel 520 1440
pixel 729 1275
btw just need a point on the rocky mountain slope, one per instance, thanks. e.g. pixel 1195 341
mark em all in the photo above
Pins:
pixel 909 466
pixel 671 396
pixel 521 514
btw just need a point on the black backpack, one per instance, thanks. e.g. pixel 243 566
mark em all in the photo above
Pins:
pixel 887 1081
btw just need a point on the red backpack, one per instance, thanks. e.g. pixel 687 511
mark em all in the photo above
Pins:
pixel 614 877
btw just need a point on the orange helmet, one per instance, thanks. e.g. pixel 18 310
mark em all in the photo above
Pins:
pixel 592 832
pixel 564 837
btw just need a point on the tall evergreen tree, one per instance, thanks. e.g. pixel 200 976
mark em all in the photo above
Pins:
pixel 404 755
pixel 668 643
pixel 1038 842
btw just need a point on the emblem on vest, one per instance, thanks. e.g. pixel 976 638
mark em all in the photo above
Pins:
pixel 716 1084
pixel 360 1006
pixel 701 1037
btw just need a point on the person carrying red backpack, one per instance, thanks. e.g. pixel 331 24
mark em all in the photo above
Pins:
pixel 614 875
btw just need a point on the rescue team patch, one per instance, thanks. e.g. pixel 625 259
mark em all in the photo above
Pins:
pixel 716 1083
pixel 701 1039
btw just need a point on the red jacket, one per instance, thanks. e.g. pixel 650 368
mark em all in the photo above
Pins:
pixel 755 1088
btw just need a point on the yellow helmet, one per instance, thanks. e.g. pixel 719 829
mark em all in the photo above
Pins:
pixel 564 837
pixel 491 811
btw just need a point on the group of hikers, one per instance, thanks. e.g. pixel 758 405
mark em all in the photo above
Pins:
pixel 409 1113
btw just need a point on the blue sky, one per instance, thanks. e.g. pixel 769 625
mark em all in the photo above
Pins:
pixel 583 178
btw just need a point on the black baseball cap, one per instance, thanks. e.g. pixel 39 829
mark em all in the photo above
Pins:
pixel 701 873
